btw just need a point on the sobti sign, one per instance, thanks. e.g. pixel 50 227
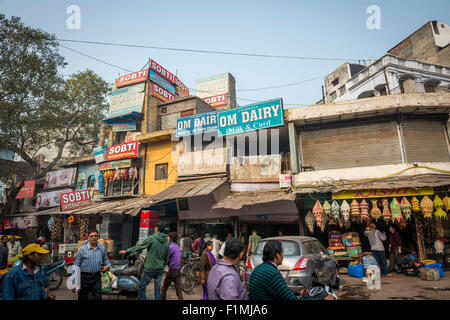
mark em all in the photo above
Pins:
pixel 252 117
pixel 124 150
pixel 75 199
pixel 216 101
pixel 132 78
pixel 198 123
pixel 161 93
pixel 162 82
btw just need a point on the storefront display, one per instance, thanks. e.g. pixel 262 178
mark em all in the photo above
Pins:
pixel 396 211
pixel 426 205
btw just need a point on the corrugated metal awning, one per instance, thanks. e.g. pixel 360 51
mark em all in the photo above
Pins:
pixel 187 189
pixel 35 213
pixel 236 200
pixel 123 206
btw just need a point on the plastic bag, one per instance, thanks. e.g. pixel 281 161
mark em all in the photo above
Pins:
pixel 106 282
pixel 356 271
pixel 74 280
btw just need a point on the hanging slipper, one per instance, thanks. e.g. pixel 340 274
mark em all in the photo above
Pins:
pixel 376 212
pixel 405 205
pixel 318 213
pixel 364 207
pixel 335 210
pixel 415 204
pixel 396 211
pixel 386 213
pixel 309 220
pixel 427 207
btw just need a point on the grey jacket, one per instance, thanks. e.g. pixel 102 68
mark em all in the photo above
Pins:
pixel 376 239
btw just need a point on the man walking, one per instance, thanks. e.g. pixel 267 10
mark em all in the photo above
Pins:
pixel 91 259
pixel 395 248
pixel 197 245
pixel 14 247
pixel 157 246
pixel 253 242
pixel 216 246
pixel 174 274
pixel 24 281
pixel 222 248
pixel 186 246
pixel 223 280
pixel 376 239
pixel 4 253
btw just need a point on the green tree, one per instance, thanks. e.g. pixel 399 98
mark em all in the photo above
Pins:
pixel 38 108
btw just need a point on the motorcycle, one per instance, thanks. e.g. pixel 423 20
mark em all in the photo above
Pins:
pixel 55 274
pixel 128 273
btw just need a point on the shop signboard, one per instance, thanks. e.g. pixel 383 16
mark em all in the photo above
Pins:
pixel 75 199
pixel 161 93
pixel 198 123
pixel 256 168
pixel 60 178
pixel 213 85
pixel 159 69
pixel 206 161
pixel 253 117
pixel 27 191
pixel 49 199
pixel 126 100
pixel 216 101
pixel 115 165
pixel 181 93
pixel 124 126
pixel 132 78
pixel 162 82
pixel 382 193
pixel 123 150
pixel 181 87
pixel 100 154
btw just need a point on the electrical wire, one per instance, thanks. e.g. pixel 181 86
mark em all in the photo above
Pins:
pixel 208 51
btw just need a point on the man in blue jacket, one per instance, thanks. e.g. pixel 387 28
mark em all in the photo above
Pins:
pixel 25 282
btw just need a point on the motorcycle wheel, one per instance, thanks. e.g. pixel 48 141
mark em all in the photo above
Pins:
pixel 187 279
pixel 55 280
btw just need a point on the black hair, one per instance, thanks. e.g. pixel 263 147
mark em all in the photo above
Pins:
pixel 271 249
pixel 3 237
pixel 254 230
pixel 93 230
pixel 208 243
pixel 173 236
pixel 159 225
pixel 233 247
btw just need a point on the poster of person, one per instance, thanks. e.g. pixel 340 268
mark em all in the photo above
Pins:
pixel 49 199
pixel 60 178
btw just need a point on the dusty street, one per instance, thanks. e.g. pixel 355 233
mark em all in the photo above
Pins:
pixel 397 287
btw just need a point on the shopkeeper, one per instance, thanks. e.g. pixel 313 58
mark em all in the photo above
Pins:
pixel 376 239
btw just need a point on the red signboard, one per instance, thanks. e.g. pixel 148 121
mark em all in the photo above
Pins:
pixel 161 93
pixel 27 190
pixel 149 218
pixel 131 78
pixel 124 150
pixel 166 74
pixel 75 199
pixel 181 87
pixel 216 101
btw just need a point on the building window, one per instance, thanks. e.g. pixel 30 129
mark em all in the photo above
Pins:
pixel 335 82
pixel 382 91
pixel 342 90
pixel 161 171
pixel 430 88
pixel 187 113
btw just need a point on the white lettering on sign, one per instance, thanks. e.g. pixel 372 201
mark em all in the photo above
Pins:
pixel 260 114
pixel 132 78
pixel 162 93
pixel 166 74
pixel 75 196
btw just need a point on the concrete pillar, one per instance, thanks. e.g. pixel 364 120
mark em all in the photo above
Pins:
pixel 293 147
pixel 409 86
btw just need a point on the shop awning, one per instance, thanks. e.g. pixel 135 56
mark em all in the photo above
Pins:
pixel 415 181
pixel 123 206
pixel 187 189
pixel 236 200
pixel 35 213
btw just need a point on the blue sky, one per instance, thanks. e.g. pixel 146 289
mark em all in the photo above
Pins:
pixel 332 29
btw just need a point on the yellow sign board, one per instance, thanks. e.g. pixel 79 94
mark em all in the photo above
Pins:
pixel 382 193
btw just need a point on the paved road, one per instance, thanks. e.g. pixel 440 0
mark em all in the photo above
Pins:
pixel 397 287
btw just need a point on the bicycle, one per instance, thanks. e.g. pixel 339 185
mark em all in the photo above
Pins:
pixel 189 274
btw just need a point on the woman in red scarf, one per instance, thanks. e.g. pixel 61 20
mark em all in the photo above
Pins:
pixel 207 261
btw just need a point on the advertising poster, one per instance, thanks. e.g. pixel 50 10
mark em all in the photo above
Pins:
pixel 132 78
pixel 162 82
pixel 216 101
pixel 60 178
pixel 75 199
pixel 126 100
pixel 161 93
pixel 123 150
pixel 49 199
pixel 27 190
pixel 159 69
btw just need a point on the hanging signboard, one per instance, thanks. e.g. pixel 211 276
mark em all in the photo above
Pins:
pixel 166 74
pixel 216 101
pixel 123 150
pixel 126 100
pixel 60 178
pixel 115 165
pixel 100 154
pixel 132 78
pixel 75 199
pixel 198 123
pixel 162 82
pixel 161 93
pixel 49 199
pixel 124 126
pixel 379 193
pixel 27 191
pixel 256 116
pixel 181 87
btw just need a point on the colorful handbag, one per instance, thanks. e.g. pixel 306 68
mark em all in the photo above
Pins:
pixel 327 208
pixel 439 204
pixel 354 209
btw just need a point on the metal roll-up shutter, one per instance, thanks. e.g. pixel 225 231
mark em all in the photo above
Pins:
pixel 368 144
pixel 425 140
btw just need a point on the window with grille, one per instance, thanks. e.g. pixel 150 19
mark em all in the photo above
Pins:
pixel 161 171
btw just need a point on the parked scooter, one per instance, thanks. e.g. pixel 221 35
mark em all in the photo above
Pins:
pixel 128 273
pixel 55 273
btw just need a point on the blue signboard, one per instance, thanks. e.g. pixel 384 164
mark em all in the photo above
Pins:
pixel 159 80
pixel 256 116
pixel 198 123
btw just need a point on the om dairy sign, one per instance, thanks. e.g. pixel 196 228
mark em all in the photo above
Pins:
pixel 252 117
pixel 124 150
pixel 74 200
pixel 197 123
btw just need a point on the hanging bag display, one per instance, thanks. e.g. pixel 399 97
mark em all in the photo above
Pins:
pixel 396 211
pixel 376 212
pixel 364 207
pixel 427 207
pixel 386 213
pixel 406 208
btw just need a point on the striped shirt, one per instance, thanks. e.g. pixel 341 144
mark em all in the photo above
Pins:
pixel 267 283
pixel 90 259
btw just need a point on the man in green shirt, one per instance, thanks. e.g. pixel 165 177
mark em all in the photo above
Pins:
pixel 253 242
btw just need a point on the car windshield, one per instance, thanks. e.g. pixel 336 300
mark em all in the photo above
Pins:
pixel 290 248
